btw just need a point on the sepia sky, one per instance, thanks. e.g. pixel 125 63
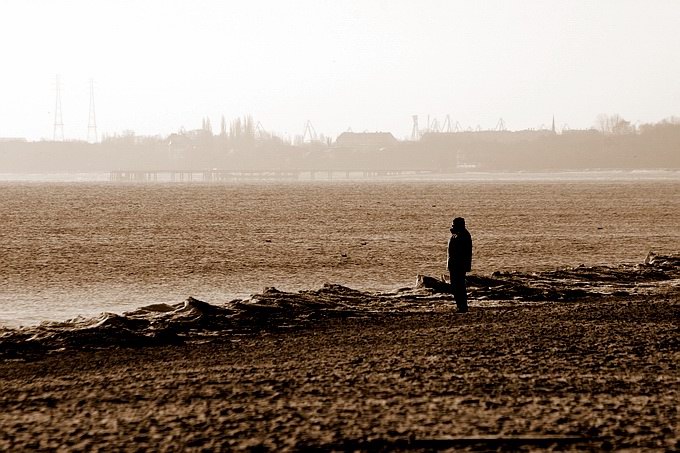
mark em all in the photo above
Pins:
pixel 369 65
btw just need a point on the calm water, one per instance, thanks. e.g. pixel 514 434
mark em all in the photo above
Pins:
pixel 84 248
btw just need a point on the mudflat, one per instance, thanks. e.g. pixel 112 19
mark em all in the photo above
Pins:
pixel 592 374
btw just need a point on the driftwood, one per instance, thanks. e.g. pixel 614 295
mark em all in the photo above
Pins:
pixel 433 283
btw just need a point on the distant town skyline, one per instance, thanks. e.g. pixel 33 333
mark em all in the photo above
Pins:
pixel 159 66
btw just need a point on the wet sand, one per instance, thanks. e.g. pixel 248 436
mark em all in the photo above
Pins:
pixel 592 374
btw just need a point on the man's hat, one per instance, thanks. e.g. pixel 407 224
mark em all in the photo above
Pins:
pixel 458 222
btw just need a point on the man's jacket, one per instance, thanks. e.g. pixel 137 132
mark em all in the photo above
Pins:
pixel 460 252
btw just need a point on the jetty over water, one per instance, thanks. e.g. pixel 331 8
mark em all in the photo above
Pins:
pixel 254 175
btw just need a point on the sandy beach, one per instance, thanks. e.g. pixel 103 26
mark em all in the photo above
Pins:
pixel 569 375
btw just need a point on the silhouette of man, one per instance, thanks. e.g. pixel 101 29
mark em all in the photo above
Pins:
pixel 459 261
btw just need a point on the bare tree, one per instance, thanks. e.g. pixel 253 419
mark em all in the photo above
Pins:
pixel 613 124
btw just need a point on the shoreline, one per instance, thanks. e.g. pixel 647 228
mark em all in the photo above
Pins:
pixel 194 320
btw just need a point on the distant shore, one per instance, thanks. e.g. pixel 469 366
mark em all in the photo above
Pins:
pixel 339 176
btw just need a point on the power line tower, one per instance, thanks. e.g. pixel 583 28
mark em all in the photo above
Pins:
pixel 92 121
pixel 58 134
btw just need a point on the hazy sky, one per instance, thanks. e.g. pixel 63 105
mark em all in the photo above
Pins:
pixel 368 65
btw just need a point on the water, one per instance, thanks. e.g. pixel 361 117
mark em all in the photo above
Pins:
pixel 88 247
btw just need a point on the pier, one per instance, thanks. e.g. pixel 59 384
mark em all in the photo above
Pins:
pixel 185 176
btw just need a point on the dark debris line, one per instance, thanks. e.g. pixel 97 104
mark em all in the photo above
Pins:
pixel 273 310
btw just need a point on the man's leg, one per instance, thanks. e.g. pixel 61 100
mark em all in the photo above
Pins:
pixel 459 291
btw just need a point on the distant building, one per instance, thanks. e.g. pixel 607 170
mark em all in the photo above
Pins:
pixel 366 141
pixel 581 132
pixel 179 147
pixel 485 136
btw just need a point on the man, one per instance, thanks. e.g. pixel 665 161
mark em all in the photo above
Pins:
pixel 459 261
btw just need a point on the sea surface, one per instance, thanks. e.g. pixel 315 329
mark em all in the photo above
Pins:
pixel 82 248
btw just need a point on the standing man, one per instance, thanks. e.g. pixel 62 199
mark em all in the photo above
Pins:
pixel 459 261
